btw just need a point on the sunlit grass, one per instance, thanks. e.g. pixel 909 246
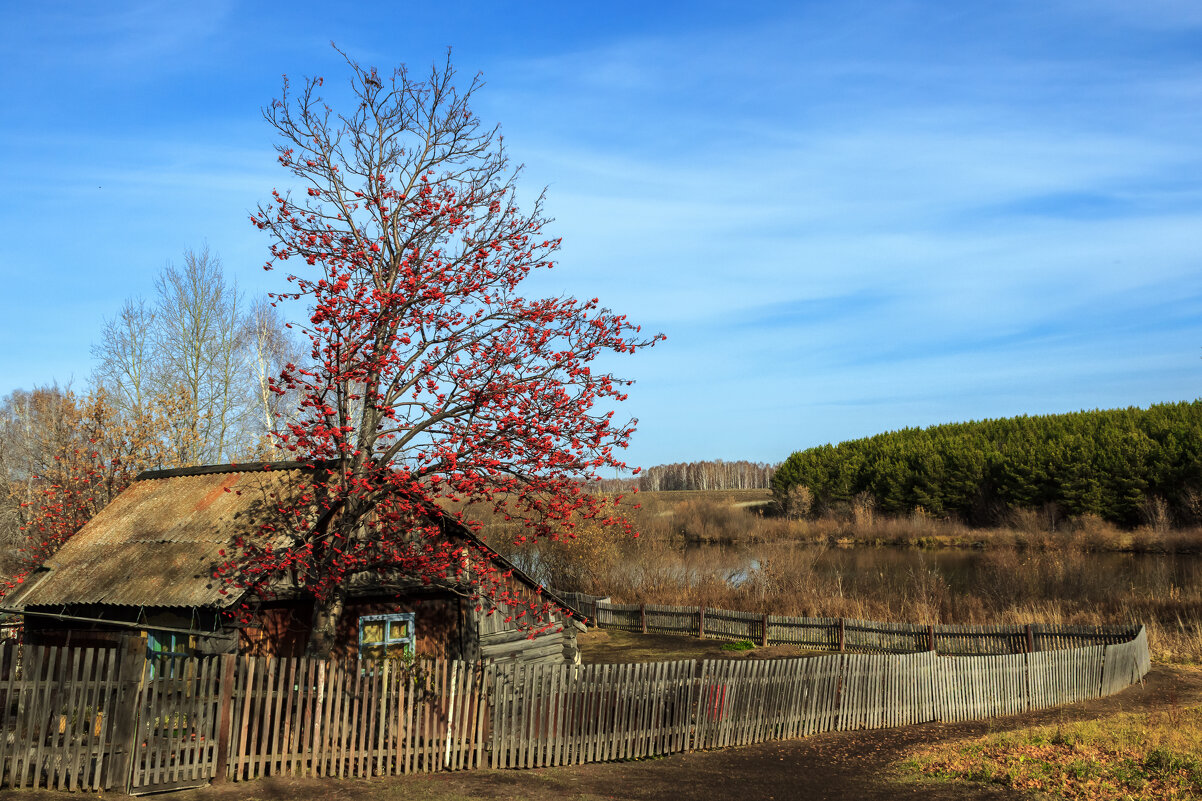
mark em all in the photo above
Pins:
pixel 1122 756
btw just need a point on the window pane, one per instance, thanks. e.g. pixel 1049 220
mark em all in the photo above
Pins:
pixel 396 650
pixel 372 652
pixel 398 630
pixel 372 632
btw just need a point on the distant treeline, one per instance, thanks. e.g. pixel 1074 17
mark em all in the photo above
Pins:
pixel 1127 466
pixel 715 475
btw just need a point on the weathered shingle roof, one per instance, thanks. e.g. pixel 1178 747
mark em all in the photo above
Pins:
pixel 156 543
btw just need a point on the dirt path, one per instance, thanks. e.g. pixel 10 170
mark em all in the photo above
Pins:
pixel 846 765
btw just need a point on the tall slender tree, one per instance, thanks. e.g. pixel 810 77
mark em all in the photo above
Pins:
pixel 435 380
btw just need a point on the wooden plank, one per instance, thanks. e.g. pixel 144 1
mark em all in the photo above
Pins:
pixel 319 711
pixel 558 731
pixel 13 701
pixel 669 705
pixel 340 726
pixel 90 701
pixel 641 689
pixel 410 713
pixel 704 707
pixel 590 712
pixel 165 718
pixel 554 713
pixel 623 699
pixel 138 670
pixel 609 713
pixel 732 692
pixel 171 721
pixel 366 725
pixel 8 663
pixel 572 678
pixel 483 713
pixel 542 714
pixel 26 706
pixel 205 693
pixel 684 708
pixel 354 732
pixel 607 735
pixel 99 757
pixel 427 721
pixel 396 729
pixel 467 718
pixel 455 714
pixel 652 745
pixel 289 697
pixel 332 729
pixel 168 722
pixel 44 689
pixel 499 757
pixel 259 728
pixel 73 711
pixel 302 730
pixel 630 717
pixel 382 705
pixel 241 760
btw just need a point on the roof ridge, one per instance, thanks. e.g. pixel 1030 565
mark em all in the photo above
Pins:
pixel 233 467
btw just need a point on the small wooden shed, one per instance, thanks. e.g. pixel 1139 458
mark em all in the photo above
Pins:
pixel 145 562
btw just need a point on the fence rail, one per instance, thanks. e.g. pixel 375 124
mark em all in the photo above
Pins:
pixel 102 719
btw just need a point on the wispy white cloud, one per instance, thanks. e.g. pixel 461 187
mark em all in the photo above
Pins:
pixel 847 217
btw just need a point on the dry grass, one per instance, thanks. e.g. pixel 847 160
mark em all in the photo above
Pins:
pixel 1126 755
pixel 608 646
pixel 1030 573
pixel 745 516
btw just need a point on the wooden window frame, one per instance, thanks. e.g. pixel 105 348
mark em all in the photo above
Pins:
pixel 409 642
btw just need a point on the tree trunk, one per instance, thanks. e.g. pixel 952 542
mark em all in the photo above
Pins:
pixel 326 614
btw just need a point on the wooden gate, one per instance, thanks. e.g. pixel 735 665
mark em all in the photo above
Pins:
pixel 174 742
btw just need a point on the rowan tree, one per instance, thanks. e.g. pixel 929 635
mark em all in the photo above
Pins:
pixel 436 383
pixel 67 457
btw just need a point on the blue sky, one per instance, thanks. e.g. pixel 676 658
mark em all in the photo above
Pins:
pixel 847 217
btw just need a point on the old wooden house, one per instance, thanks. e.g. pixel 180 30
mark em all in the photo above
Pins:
pixel 145 564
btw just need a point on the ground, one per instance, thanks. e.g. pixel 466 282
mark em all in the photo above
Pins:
pixel 845 765
pixel 609 646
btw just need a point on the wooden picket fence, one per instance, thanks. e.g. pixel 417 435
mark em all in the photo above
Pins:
pixel 841 634
pixel 547 715
pixel 88 719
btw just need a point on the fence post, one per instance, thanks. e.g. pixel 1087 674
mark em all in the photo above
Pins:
pixel 1030 640
pixel 125 734
pixel 931 638
pixel 701 622
pixel 842 636
pixel 225 707
pixel 764 632
pixel 643 616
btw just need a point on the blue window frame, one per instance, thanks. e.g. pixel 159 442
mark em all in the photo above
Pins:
pixel 164 643
pixel 386 636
